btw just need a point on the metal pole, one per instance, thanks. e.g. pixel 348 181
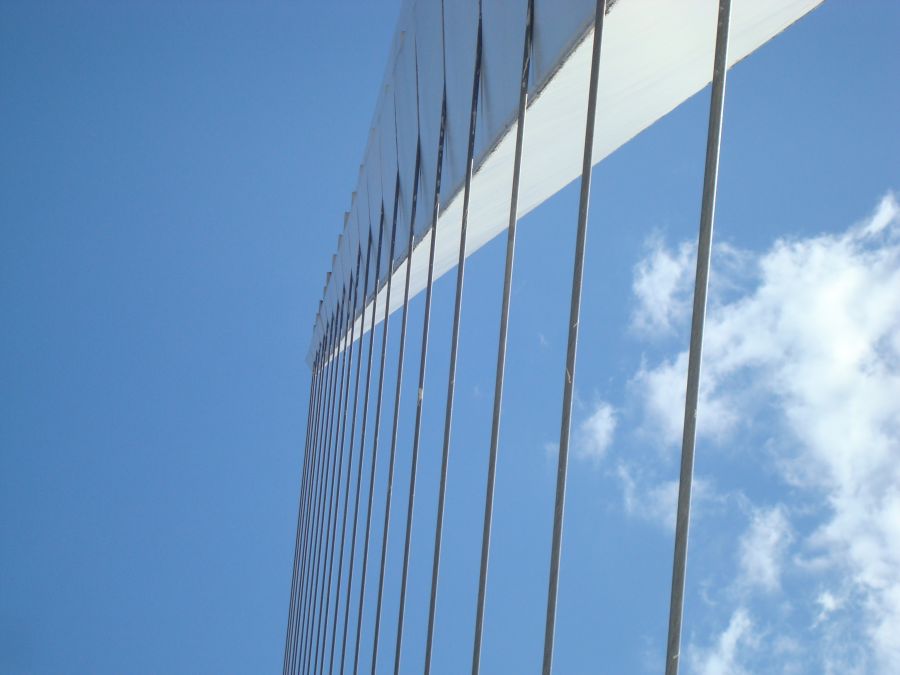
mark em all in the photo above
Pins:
pixel 350 459
pixel 309 503
pixel 574 316
pixel 340 446
pixel 384 339
pixel 501 349
pixel 341 419
pixel 387 506
pixel 362 444
pixel 451 382
pixel 701 282
pixel 337 357
pixel 304 473
pixel 329 368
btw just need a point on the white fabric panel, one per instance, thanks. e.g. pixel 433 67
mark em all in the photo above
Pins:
pixel 656 54
pixel 404 150
pixel 460 29
pixel 501 69
pixel 430 70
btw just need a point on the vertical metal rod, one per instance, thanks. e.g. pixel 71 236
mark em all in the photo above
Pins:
pixel 304 472
pixel 338 357
pixel 574 317
pixel 501 348
pixel 451 381
pixel 340 425
pixel 341 446
pixel 350 458
pixel 309 501
pixel 393 453
pixel 701 282
pixel 426 321
pixel 329 370
pixel 376 431
pixel 362 445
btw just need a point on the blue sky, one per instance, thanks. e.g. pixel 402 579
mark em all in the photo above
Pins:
pixel 172 185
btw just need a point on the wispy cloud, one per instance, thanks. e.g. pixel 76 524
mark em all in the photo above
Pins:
pixel 595 434
pixel 814 340
pixel 762 549
pixel 661 285
pixel 723 657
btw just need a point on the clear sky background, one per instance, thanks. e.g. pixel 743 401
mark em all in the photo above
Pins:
pixel 172 182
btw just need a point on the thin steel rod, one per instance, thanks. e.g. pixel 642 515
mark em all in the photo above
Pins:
pixel 451 381
pixel 362 445
pixel 350 459
pixel 376 431
pixel 341 446
pixel 337 355
pixel 304 473
pixel 396 422
pixel 337 466
pixel 315 456
pixel 701 282
pixel 574 317
pixel 502 342
pixel 329 374
pixel 417 430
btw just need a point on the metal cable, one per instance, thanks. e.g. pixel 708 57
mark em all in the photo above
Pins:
pixel 328 376
pixel 341 446
pixel 501 348
pixel 309 504
pixel 451 382
pixel 350 459
pixel 362 444
pixel 304 473
pixel 337 356
pixel 701 282
pixel 393 453
pixel 346 356
pixel 384 340
pixel 574 316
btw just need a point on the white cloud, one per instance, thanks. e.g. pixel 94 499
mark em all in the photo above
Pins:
pixel 595 434
pixel 762 549
pixel 828 604
pixel 661 281
pixel 815 339
pixel 723 657
pixel 656 502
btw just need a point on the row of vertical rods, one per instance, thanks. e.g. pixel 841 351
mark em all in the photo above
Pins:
pixel 378 406
pixel 347 356
pixel 362 444
pixel 334 619
pixel 312 501
pixel 316 450
pixel 300 507
pixel 312 603
pixel 398 390
pixel 310 504
pixel 451 382
pixel 340 468
pixel 502 343
pixel 308 474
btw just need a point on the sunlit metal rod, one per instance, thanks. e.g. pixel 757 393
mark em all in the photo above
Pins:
pixel 574 317
pixel 698 319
